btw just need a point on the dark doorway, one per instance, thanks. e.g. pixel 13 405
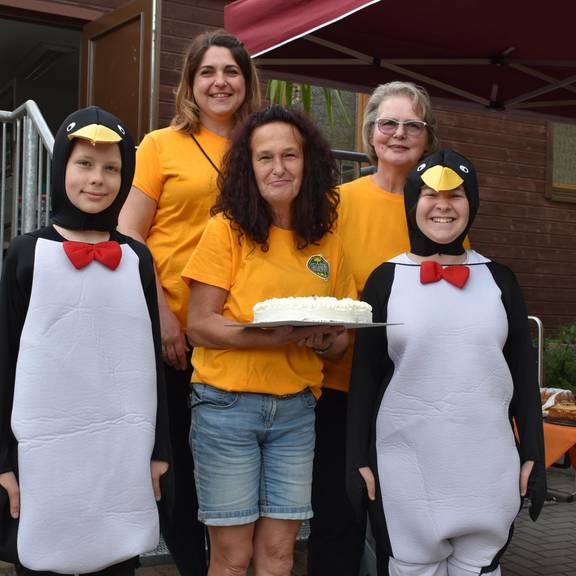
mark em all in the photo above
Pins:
pixel 39 62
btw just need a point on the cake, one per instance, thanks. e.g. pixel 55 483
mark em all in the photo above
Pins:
pixel 563 411
pixel 552 396
pixel 556 395
pixel 313 309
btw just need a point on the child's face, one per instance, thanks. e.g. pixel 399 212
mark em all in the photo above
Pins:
pixel 93 176
pixel 442 216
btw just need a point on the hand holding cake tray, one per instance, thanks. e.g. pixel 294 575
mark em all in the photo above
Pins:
pixel 312 311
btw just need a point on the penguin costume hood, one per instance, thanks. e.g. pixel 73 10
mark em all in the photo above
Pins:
pixel 444 170
pixel 97 127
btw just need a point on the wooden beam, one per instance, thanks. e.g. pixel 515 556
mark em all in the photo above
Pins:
pixel 54 8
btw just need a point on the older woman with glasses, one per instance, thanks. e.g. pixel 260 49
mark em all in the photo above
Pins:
pixel 399 128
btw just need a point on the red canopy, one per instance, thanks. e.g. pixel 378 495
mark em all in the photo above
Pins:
pixel 498 54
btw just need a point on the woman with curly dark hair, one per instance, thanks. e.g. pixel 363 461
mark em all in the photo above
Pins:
pixel 254 390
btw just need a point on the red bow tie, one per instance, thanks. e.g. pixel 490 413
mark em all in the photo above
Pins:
pixel 432 272
pixel 81 254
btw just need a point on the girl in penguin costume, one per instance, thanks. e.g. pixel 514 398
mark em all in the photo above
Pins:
pixel 433 401
pixel 83 438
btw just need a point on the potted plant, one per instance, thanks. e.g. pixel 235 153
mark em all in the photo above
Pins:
pixel 560 358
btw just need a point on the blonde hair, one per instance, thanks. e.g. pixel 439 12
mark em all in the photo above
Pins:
pixel 420 102
pixel 187 116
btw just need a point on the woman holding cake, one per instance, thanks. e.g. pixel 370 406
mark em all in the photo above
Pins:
pixel 255 390
pixel 433 401
pixel 398 129
pixel 168 207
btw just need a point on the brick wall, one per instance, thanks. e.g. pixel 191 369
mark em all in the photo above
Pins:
pixel 517 225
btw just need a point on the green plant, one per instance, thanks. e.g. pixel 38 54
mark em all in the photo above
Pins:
pixel 560 358
pixel 288 93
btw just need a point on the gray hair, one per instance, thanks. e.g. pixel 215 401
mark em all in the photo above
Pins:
pixel 421 103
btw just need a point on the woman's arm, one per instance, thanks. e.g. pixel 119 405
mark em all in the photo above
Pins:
pixel 15 290
pixel 207 327
pixel 371 371
pixel 9 482
pixel 135 220
pixel 137 215
pixel 526 407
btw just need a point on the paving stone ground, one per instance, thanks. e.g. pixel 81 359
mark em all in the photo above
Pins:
pixel 543 548
pixel 546 547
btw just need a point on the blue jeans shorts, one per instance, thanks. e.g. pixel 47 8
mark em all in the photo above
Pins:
pixel 253 455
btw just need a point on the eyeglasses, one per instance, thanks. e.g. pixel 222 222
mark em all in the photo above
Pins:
pixel 390 126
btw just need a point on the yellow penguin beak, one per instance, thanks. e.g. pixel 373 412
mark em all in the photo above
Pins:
pixel 96 134
pixel 441 178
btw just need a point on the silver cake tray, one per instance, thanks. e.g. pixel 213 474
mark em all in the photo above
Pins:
pixel 279 323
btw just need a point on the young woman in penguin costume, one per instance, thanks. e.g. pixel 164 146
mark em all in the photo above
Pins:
pixel 433 401
pixel 83 438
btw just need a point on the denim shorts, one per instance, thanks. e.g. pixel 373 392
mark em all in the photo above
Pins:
pixel 253 455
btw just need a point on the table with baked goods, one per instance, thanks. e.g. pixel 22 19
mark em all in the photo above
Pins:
pixel 559 411
pixel 559 440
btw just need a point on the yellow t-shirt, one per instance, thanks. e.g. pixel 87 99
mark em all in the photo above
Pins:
pixel 372 226
pixel 173 172
pixel 251 275
pixel 373 229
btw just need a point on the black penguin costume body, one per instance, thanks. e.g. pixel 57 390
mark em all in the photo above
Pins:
pixel 82 401
pixel 431 401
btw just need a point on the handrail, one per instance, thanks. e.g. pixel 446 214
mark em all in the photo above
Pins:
pixel 31 109
pixel 27 146
pixel 540 348
pixel 352 164
pixel 352 156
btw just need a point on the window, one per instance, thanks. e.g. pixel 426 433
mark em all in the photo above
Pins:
pixel 562 162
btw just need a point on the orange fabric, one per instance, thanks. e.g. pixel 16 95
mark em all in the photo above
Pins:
pixel 373 228
pixel 250 275
pixel 172 171
pixel 558 440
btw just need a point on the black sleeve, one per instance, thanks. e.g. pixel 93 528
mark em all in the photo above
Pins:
pixel 15 288
pixel 526 406
pixel 162 444
pixel 371 372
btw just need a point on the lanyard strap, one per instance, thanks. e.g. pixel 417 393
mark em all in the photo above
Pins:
pixel 206 155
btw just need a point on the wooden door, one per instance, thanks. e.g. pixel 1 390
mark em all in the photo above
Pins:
pixel 119 64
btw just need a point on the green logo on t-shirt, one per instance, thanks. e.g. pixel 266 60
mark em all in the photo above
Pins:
pixel 319 266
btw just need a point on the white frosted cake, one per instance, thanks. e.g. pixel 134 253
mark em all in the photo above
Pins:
pixel 313 309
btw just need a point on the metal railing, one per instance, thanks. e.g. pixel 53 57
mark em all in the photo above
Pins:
pixel 539 347
pixel 26 144
pixel 352 165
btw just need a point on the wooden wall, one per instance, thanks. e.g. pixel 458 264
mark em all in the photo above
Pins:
pixel 68 12
pixel 182 20
pixel 100 5
pixel 516 224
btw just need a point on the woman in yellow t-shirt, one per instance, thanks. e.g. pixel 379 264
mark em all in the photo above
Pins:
pixel 254 390
pixel 168 208
pixel 398 129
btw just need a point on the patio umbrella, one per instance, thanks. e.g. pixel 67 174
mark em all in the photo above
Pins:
pixel 505 55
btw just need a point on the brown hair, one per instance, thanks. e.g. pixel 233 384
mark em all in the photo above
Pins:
pixel 187 116
pixel 313 210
